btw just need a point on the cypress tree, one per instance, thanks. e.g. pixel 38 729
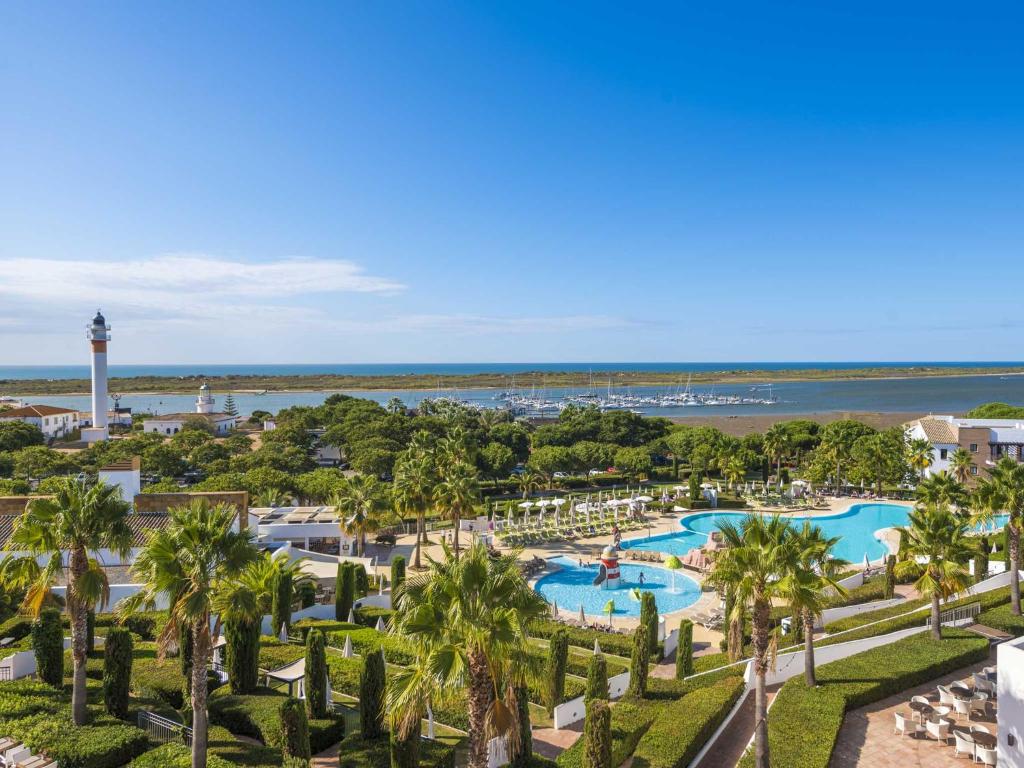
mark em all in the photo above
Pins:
pixel 117 671
pixel 345 590
pixel 281 604
pixel 694 487
pixel 597 735
pixel 294 729
pixel 638 661
pixel 981 560
pixel 558 660
pixel 316 674
pixel 48 644
pixel 649 617
pixel 371 695
pixel 243 655
pixel 397 573
pixel 597 678
pixel 306 593
pixel 890 576
pixel 362 581
pixel 524 757
pixel 684 653
pixel 185 649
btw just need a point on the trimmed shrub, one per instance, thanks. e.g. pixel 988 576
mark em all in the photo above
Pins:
pixel 173 755
pixel 981 560
pixel 597 678
pixel 405 752
pixel 649 618
pixel 357 752
pixel 611 643
pixel 117 671
pixel 890 577
pixel 294 762
pixel 630 722
pixel 597 734
pixel 525 754
pixel 257 715
pixel 316 674
pixel 855 682
pixel 371 695
pixel 638 662
pixel 558 656
pixel 362 580
pixel 344 591
pixel 281 604
pixel 306 592
pixel 1003 618
pixel 242 655
pixel 684 653
pixel 397 572
pixel 48 644
pixel 18 627
pixel 294 729
pixel 368 615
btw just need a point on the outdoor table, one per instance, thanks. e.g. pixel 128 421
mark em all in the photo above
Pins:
pixel 920 706
pixel 986 740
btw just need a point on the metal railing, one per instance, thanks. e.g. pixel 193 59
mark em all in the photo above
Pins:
pixel 955 616
pixel 5 673
pixel 162 730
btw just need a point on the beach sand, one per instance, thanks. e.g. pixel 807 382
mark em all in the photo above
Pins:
pixel 760 422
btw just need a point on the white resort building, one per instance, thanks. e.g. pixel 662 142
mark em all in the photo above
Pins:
pixel 52 421
pixel 172 423
pixel 986 440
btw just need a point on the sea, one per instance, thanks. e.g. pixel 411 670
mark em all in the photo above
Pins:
pixel 952 394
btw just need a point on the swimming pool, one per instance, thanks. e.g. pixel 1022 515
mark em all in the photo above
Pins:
pixel 572 587
pixel 856 528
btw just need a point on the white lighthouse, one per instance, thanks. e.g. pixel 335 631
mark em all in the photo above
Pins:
pixel 204 403
pixel 98 334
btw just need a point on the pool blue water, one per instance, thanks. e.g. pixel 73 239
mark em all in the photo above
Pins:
pixel 856 528
pixel 573 586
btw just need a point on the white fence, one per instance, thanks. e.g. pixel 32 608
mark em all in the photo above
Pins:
pixel 118 592
pixel 575 710
pixel 617 685
pixel 834 614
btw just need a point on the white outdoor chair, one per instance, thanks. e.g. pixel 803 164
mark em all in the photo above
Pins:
pixel 12 756
pixel 983 684
pixel 945 695
pixel 937 730
pixel 906 727
pixel 979 703
pixel 985 756
pixel 962 707
pixel 962 743
pixel 915 714
pixel 939 712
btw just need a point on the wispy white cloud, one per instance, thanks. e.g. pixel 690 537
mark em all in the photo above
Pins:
pixel 486 324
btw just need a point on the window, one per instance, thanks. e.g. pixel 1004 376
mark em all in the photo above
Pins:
pixel 974 447
pixel 943 453
pixel 168 430
pixel 974 469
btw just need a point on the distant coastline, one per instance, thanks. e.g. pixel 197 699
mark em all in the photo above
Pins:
pixel 327 382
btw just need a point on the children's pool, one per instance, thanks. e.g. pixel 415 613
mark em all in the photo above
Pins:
pixel 856 528
pixel 573 586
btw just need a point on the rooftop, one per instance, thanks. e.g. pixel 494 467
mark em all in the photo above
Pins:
pixel 189 415
pixel 294 515
pixel 35 410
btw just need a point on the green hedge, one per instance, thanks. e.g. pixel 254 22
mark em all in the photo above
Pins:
pixel 358 753
pixel 117 671
pixel 156 678
pixel 611 642
pixel 176 756
pixel 630 722
pixel 257 715
pixel 1003 618
pixel 48 644
pixel 17 627
pixel 685 725
pixel 855 682
pixel 146 624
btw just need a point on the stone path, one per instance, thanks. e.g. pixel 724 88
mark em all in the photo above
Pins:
pixel 326 759
pixel 728 748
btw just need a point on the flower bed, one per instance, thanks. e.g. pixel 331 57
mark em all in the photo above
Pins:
pixel 804 722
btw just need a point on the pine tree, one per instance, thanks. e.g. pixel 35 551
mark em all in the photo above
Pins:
pixel 229 405
pixel 597 678
pixel 684 653
pixel 638 662
pixel 558 659
pixel 371 695
pixel 243 655
pixel 597 735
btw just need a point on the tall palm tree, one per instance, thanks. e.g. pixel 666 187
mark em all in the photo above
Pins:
pixel 77 521
pixel 778 443
pixel 960 465
pixel 528 481
pixel 272 497
pixel 759 554
pixel 734 470
pixel 184 564
pixel 937 537
pixel 941 489
pixel 920 454
pixel 810 583
pixel 360 504
pixel 457 493
pixel 1003 492
pixel 413 492
pixel 468 620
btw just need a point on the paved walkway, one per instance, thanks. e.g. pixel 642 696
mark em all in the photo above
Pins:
pixel 550 743
pixel 326 759
pixel 867 738
pixel 729 747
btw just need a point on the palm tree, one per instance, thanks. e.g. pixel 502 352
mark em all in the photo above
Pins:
pixel 529 481
pixel 777 445
pixel 760 553
pixel 78 520
pixel 1003 492
pixel 468 619
pixel 272 497
pixel 457 492
pixel 360 506
pixel 183 564
pixel 734 470
pixel 938 537
pixel 960 465
pixel 810 584
pixel 413 492
pixel 920 455
pixel 941 489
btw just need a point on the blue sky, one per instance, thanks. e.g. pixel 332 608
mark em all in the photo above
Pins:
pixel 448 182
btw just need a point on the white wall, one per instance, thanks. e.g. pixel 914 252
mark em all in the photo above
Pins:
pixel 834 614
pixel 617 685
pixel 1010 694
pixel 21 664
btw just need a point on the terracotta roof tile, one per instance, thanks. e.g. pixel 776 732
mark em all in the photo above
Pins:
pixel 35 410
pixel 939 431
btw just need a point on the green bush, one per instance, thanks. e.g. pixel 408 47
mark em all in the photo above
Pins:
pixel 855 682
pixel 684 726
pixel 48 644
pixel 890 577
pixel 281 604
pixel 638 662
pixel 371 695
pixel 294 729
pixel 368 615
pixel 618 645
pixel 362 580
pixel 684 652
pixel 242 655
pixel 157 678
pixel 649 618
pixel 185 650
pixel 174 755
pixel 1004 619
pixel 316 674
pixel 344 591
pixel 257 715
pixel 597 734
pixel 306 592
pixel 558 655
pixel 597 678
pixel 16 627
pixel 397 572
pixel 357 752
pixel 630 722
pixel 117 671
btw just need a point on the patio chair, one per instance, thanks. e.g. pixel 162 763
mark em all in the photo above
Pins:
pixel 906 727
pixel 916 714
pixel 983 684
pixel 984 755
pixel 962 743
pixel 979 703
pixel 961 688
pixel 938 730
pixel 945 695
pixel 962 707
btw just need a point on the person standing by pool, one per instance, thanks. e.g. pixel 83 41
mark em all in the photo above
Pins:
pixel 641 578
